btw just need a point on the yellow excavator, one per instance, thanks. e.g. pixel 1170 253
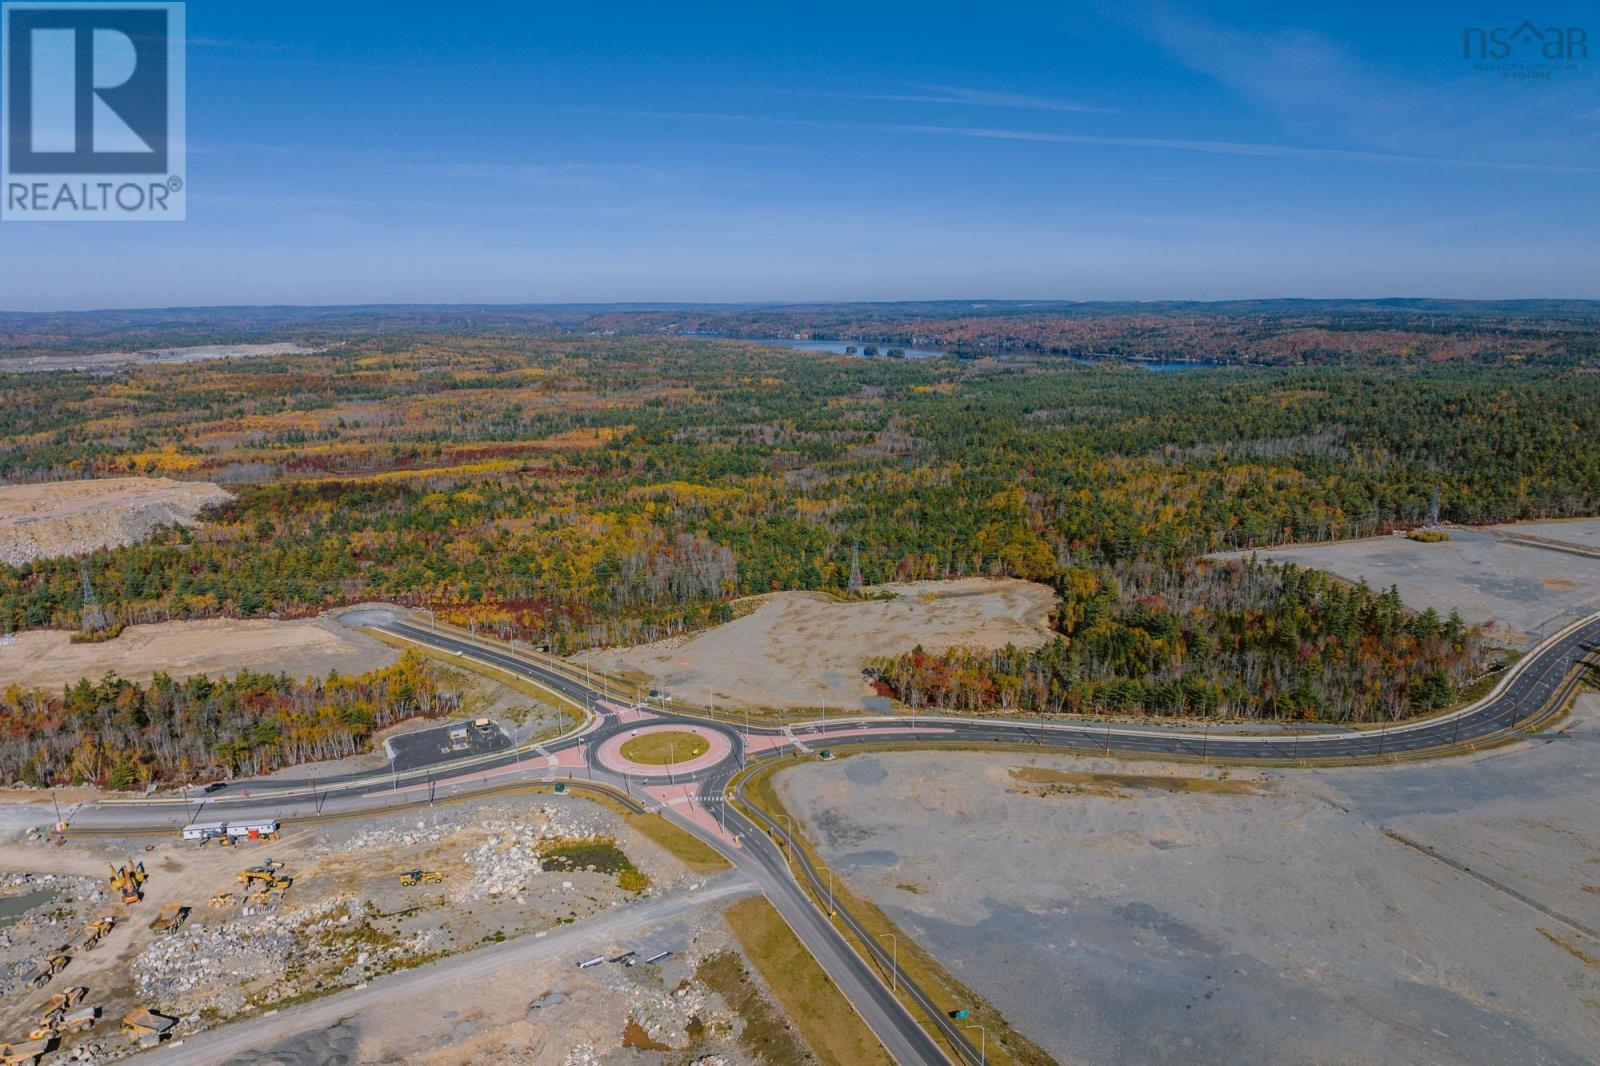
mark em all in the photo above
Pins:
pixel 129 880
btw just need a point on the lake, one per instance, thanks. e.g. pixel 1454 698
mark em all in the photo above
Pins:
pixel 13 907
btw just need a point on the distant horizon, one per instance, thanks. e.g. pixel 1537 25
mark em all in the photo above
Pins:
pixel 1044 303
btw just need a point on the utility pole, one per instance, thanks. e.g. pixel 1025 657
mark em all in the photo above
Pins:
pixel 983 1044
pixel 93 618
pixel 894 960
pixel 58 805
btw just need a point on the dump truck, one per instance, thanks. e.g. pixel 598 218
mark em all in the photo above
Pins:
pixel 146 1027
pixel 171 917
pixel 62 1002
pixel 42 971
pixel 88 937
pixel 25 1052
pixel 421 877
pixel 80 1020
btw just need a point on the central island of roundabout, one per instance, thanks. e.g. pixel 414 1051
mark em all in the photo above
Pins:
pixel 665 750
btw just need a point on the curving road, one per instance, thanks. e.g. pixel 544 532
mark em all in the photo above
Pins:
pixel 1535 689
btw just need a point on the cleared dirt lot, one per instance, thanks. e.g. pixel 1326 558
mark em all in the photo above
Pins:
pixel 1522 588
pixel 218 647
pixel 1270 921
pixel 104 361
pixel 805 649
pixel 70 517
pixel 523 867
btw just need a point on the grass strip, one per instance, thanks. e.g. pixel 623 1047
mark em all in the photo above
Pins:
pixel 831 1027
pixel 682 845
pixel 1005 1044
pixel 573 711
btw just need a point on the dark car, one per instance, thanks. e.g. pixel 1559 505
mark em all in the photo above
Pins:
pixel 215 786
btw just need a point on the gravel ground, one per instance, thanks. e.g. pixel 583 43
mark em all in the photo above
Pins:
pixel 1119 924
pixel 1518 590
pixel 47 658
pixel 346 919
pixel 73 517
pixel 805 649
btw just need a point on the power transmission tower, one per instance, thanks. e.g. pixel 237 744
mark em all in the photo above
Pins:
pixel 93 619
pixel 855 568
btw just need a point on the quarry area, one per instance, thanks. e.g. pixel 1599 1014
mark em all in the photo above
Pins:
pixel 1521 581
pixel 1134 913
pixel 72 517
pixel 798 650
pixel 495 900
pixel 47 658
pixel 107 361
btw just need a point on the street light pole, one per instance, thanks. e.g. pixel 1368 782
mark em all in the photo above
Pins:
pixel 983 1044
pixel 894 960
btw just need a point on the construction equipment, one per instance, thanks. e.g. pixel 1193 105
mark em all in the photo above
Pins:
pixel 79 1020
pixel 146 1027
pixel 25 1053
pixel 221 899
pixel 411 878
pixel 54 1018
pixel 129 879
pixel 171 917
pixel 266 873
pixel 90 935
pixel 39 975
pixel 62 1002
pixel 249 877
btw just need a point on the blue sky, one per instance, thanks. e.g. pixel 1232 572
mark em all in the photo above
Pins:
pixel 532 152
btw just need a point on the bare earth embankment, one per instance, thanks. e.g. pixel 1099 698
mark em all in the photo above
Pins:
pixel 71 517
pixel 218 647
pixel 1252 916
pixel 806 649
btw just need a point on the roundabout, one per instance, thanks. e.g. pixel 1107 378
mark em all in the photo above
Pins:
pixel 664 750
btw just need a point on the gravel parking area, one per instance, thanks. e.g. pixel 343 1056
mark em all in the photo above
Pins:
pixel 1268 917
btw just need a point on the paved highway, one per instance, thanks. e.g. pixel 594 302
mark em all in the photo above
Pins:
pixel 1533 689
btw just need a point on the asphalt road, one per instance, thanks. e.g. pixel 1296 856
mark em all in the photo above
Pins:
pixel 1532 688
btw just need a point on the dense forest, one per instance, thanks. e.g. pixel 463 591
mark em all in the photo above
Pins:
pixel 1279 332
pixel 1238 639
pixel 581 491
pixel 120 735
